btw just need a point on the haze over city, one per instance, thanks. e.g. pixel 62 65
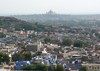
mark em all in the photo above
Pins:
pixel 50 35
pixel 11 7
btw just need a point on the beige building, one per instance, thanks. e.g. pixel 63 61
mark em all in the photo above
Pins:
pixel 92 67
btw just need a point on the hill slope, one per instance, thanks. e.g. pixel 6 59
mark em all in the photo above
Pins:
pixel 11 23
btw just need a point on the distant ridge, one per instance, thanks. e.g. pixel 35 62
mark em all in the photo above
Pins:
pixel 52 15
pixel 53 18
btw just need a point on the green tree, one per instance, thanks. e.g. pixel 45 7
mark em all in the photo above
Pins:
pixel 41 67
pixel 31 36
pixel 97 35
pixel 83 68
pixel 67 42
pixel 27 56
pixel 47 40
pixel 23 26
pixel 24 56
pixel 1 57
pixel 59 68
pixel 36 67
pixel 78 43
pixel 4 57
pixel 2 35
pixel 16 57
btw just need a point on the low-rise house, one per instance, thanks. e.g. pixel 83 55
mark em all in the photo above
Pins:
pixel 69 54
pixel 32 47
pixel 92 67
pixel 20 64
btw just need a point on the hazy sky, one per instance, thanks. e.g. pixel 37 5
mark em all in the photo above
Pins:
pixel 41 6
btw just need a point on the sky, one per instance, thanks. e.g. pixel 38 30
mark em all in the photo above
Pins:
pixel 42 6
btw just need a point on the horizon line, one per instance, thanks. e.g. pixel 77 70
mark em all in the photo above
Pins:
pixel 15 14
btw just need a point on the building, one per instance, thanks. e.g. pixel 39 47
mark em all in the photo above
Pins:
pixel 32 48
pixel 92 67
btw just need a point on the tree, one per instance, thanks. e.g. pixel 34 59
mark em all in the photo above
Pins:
pixel 16 57
pixel 59 68
pixel 83 68
pixel 97 35
pixel 4 57
pixel 1 57
pixel 67 42
pixel 27 56
pixel 2 35
pixel 78 43
pixel 31 36
pixel 36 67
pixel 41 67
pixel 26 27
pixel 47 40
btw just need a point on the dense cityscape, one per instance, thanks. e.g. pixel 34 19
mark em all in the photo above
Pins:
pixel 28 45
